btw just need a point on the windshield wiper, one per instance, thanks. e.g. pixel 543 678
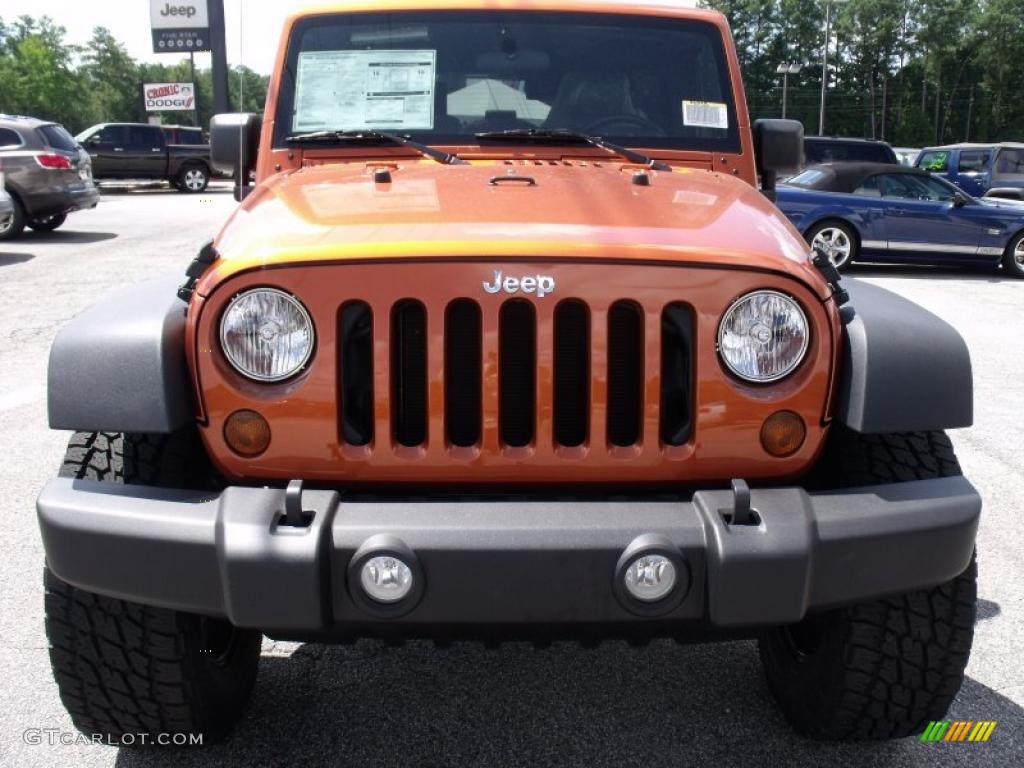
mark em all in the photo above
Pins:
pixel 375 137
pixel 562 136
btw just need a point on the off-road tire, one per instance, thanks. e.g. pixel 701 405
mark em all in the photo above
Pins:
pixel 48 224
pixel 885 668
pixel 123 668
pixel 1012 258
pixel 16 222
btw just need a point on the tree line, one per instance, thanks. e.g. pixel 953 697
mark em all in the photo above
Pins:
pixel 912 72
pixel 45 76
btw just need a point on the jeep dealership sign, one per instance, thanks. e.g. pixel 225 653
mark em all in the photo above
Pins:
pixel 179 25
pixel 169 97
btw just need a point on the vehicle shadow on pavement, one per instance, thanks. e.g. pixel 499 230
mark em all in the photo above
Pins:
pixel 665 704
pixel 930 273
pixel 66 236
pixel 6 259
pixel 215 188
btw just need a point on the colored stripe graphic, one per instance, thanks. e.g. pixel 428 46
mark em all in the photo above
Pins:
pixel 958 730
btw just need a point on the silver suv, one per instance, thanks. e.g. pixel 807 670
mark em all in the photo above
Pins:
pixel 45 173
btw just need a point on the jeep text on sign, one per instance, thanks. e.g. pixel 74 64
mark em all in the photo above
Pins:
pixel 183 14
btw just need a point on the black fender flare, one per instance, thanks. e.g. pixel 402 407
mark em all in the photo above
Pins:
pixel 903 369
pixel 120 365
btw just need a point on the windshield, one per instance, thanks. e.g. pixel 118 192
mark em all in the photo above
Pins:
pixel 443 76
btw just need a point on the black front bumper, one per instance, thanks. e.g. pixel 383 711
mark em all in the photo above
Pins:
pixel 532 564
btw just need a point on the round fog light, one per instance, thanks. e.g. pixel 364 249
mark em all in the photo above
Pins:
pixel 386 579
pixel 650 577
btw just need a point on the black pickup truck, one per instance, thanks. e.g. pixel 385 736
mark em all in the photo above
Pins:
pixel 141 151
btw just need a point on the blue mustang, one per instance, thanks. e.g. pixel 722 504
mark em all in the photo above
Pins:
pixel 876 212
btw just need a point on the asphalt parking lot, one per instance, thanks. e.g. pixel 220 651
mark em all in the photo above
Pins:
pixel 367 704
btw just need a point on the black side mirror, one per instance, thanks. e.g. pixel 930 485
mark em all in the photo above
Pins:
pixel 234 147
pixel 959 201
pixel 778 148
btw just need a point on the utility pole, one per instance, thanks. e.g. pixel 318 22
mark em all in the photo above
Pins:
pixel 824 63
pixel 970 111
pixel 196 114
pixel 219 57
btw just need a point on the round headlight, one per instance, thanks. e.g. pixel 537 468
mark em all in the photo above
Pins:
pixel 266 334
pixel 763 336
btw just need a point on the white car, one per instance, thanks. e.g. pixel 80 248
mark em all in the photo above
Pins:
pixel 906 155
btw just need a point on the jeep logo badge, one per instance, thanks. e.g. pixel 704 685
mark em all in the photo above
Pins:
pixel 542 285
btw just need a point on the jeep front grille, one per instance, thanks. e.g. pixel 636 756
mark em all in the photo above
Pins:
pixel 534 349
pixel 463 370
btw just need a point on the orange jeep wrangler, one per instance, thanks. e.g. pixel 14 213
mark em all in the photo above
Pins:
pixel 506 343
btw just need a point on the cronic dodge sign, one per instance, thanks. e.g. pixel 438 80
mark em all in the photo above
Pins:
pixel 179 25
pixel 169 97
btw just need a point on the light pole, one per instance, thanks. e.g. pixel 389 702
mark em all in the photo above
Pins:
pixel 786 70
pixel 824 62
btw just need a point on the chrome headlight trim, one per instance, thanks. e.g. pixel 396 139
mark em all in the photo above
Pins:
pixel 797 359
pixel 238 366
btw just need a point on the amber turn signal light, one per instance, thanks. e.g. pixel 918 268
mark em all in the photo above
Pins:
pixel 247 433
pixel 783 433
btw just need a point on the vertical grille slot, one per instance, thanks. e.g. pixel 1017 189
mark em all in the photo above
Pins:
pixel 463 372
pixel 625 372
pixel 517 372
pixel 677 380
pixel 409 373
pixel 572 373
pixel 357 373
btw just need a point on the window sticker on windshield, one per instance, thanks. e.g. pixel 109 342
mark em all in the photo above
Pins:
pixel 371 90
pixel 705 114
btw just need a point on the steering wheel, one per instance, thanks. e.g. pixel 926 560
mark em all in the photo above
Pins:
pixel 624 125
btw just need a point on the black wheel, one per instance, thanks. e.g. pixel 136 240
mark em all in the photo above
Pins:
pixel 881 669
pixel 123 668
pixel 48 223
pixel 193 178
pixel 1013 259
pixel 837 239
pixel 14 224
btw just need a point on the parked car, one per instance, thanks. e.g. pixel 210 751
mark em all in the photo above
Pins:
pixel 184 134
pixel 140 151
pixel 906 155
pixel 46 174
pixel 875 212
pixel 579 387
pixel 989 170
pixel 828 149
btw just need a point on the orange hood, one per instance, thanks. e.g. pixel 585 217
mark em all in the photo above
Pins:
pixel 573 209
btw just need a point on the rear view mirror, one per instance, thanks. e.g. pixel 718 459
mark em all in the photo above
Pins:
pixel 778 148
pixel 234 147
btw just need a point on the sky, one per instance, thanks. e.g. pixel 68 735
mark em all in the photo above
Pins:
pixel 128 20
